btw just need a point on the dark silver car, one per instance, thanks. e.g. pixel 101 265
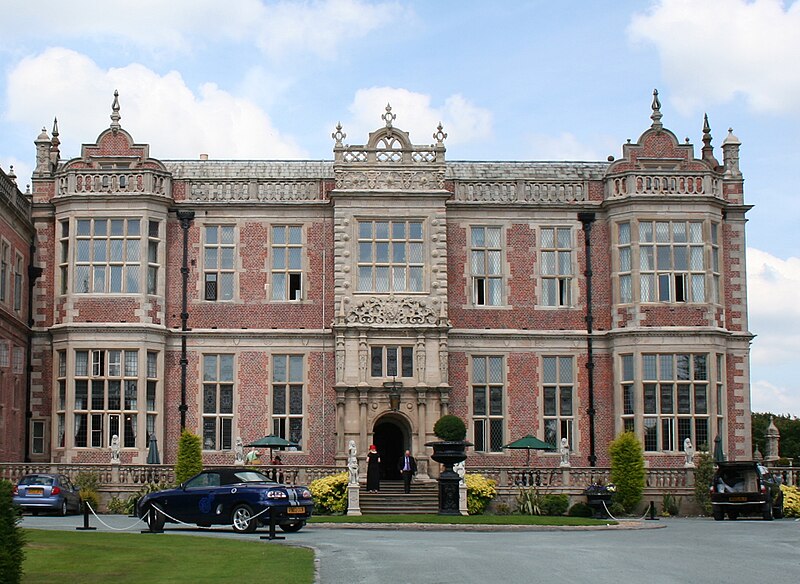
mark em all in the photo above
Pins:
pixel 745 487
pixel 47 492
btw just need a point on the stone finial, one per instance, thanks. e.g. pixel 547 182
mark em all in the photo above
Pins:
pixel 11 174
pixel 42 144
pixel 389 117
pixel 55 153
pixel 773 437
pixel 440 135
pixel 708 149
pixel 656 115
pixel 338 135
pixel 730 155
pixel 115 117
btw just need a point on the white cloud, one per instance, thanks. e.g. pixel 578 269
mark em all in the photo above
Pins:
pixel 766 397
pixel 278 28
pixel 462 121
pixel 566 146
pixel 773 284
pixel 713 50
pixel 156 109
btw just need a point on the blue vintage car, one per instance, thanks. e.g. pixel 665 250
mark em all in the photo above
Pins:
pixel 242 498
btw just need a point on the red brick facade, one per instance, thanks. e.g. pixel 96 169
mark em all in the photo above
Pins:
pixel 388 215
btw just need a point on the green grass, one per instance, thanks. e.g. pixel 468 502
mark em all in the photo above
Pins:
pixel 75 557
pixel 462 520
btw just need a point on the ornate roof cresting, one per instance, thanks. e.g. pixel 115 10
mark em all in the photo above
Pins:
pixel 656 115
pixel 440 135
pixel 392 311
pixel 389 117
pixel 115 117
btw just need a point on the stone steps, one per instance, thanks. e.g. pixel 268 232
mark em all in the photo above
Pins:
pixel 423 498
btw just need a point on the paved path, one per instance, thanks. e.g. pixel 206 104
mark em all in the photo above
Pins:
pixel 686 550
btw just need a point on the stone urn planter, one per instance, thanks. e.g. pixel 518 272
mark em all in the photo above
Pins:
pixel 450 450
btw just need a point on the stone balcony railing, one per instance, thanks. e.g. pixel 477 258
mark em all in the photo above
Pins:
pixel 12 195
pixel 663 184
pixel 104 182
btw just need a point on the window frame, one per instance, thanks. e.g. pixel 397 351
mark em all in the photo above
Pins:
pixel 483 423
pixel 564 422
pixel 287 378
pixel 219 383
pixel 382 256
pixel 98 272
pixel 564 282
pixel 293 276
pixel 484 278
pixel 217 274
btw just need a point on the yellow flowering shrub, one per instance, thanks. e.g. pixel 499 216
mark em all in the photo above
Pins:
pixel 330 493
pixel 791 501
pixel 480 491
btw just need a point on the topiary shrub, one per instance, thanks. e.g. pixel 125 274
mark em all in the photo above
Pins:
pixel 450 428
pixel 330 494
pixel 580 510
pixel 12 538
pixel 480 492
pixel 627 470
pixel 703 475
pixel 190 457
pixel 555 505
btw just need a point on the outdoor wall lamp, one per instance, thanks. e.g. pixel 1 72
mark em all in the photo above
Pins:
pixel 393 388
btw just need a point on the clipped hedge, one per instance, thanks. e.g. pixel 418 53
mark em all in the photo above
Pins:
pixel 480 492
pixel 12 538
pixel 330 494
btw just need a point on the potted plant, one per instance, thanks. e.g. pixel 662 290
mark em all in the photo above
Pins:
pixel 450 449
pixel 598 496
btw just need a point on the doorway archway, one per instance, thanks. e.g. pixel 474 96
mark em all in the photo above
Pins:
pixel 392 438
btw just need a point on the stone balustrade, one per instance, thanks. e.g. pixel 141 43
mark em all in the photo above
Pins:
pixel 499 191
pixel 100 182
pixel 668 184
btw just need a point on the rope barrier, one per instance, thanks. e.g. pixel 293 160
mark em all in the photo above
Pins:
pixel 622 520
pixel 138 521
pixel 178 521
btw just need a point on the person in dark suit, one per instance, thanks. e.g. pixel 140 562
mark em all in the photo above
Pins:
pixel 407 466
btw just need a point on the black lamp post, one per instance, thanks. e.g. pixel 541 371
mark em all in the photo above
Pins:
pixel 393 389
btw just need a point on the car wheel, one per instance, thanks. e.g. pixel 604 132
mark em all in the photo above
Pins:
pixel 242 519
pixel 63 511
pixel 292 527
pixel 155 519
pixel 766 511
pixel 719 513
pixel 777 511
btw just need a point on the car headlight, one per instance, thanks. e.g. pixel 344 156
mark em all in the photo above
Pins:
pixel 306 494
pixel 276 495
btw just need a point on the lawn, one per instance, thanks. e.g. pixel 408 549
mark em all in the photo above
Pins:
pixel 69 556
pixel 462 519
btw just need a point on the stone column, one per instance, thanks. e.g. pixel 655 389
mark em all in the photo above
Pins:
pixel 422 423
pixel 340 430
pixel 362 419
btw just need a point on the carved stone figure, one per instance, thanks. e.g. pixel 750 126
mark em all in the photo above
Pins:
pixel 239 451
pixel 564 450
pixel 461 471
pixel 688 451
pixel 352 462
pixel 115 449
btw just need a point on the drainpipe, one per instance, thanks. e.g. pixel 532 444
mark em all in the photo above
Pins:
pixel 34 272
pixel 186 218
pixel 587 219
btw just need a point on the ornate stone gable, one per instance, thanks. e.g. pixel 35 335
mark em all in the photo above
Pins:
pixel 389 161
pixel 393 311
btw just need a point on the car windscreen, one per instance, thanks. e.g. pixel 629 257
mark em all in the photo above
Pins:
pixel 251 476
pixel 37 480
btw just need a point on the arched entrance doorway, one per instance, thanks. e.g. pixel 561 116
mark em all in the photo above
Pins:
pixel 391 437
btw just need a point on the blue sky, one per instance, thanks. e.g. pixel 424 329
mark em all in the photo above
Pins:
pixel 510 80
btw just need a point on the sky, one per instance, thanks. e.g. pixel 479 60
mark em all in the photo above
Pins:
pixel 509 80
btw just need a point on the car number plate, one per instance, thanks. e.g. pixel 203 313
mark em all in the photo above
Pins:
pixel 36 491
pixel 738 499
pixel 296 510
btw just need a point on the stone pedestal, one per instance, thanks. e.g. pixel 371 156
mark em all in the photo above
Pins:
pixel 462 499
pixel 353 501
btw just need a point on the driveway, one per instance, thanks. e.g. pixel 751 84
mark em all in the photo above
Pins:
pixel 693 550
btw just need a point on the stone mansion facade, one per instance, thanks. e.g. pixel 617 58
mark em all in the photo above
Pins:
pixel 362 298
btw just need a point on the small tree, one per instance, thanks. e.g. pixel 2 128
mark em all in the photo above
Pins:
pixel 190 457
pixel 627 470
pixel 703 475
pixel 12 538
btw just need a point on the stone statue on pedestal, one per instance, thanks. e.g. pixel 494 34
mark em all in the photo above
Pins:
pixel 352 462
pixel 115 449
pixel 239 451
pixel 564 450
pixel 688 451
